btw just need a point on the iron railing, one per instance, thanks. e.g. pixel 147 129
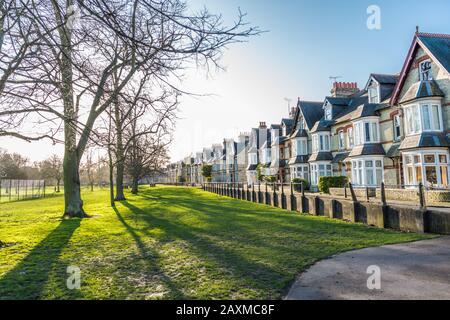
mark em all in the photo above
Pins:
pixel 14 190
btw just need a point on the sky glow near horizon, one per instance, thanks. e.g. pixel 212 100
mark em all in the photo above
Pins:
pixel 307 42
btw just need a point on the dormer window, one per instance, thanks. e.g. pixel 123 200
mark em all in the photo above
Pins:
pixel 425 70
pixel 328 112
pixel 373 94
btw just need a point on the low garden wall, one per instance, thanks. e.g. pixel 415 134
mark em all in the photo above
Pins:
pixel 390 216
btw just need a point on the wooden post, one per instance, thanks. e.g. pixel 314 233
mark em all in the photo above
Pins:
pixel 352 191
pixel 367 194
pixel 345 191
pixel 383 195
pixel 423 205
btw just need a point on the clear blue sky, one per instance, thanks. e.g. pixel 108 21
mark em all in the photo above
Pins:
pixel 307 41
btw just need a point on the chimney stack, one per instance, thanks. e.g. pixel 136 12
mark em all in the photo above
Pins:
pixel 262 125
pixel 344 89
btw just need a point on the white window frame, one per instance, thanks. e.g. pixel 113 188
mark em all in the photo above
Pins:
pixel 351 139
pixel 361 167
pixel 417 164
pixel 317 172
pixel 341 140
pixel 417 109
pixel 374 98
pixel 300 147
pixel 321 142
pixel 360 134
pixel 328 113
pixel 300 171
pixel 421 74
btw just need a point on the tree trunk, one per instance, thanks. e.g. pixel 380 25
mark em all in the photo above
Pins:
pixel 92 186
pixel 72 193
pixel 135 186
pixel 120 196
pixel 120 165
pixel 58 182
pixel 111 180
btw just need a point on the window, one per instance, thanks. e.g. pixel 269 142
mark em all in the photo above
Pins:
pixel 321 142
pixel 328 113
pixel 373 95
pixel 341 140
pixel 368 172
pixel 424 117
pixel 350 137
pixel 320 170
pixel 425 70
pixel 397 128
pixel 315 147
pixel 366 132
pixel 301 172
pixel 428 168
pixel 301 147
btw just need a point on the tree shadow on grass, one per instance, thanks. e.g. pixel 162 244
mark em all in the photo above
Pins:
pixel 255 274
pixel 152 266
pixel 28 279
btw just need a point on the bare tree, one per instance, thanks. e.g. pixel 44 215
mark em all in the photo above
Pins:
pixel 147 155
pixel 51 168
pixel 89 168
pixel 71 62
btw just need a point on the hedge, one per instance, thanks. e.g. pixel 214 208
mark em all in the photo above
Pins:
pixel 325 183
pixel 297 187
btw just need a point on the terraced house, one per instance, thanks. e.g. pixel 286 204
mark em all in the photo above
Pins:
pixel 393 130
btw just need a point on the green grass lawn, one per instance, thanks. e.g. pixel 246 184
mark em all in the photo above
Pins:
pixel 167 243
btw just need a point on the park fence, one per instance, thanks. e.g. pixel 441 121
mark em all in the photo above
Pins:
pixel 14 190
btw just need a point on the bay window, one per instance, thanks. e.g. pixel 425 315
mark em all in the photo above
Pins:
pixel 423 117
pixel 321 142
pixel 320 169
pixel 427 167
pixel 252 158
pixel 367 172
pixel 300 172
pixel 300 147
pixel 366 131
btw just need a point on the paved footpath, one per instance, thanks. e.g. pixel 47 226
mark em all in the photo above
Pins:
pixel 418 270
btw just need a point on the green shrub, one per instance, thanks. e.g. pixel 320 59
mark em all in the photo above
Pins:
pixel 270 179
pixel 325 183
pixel 206 171
pixel 297 187
pixel 181 179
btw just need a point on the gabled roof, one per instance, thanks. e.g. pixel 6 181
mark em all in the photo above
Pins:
pixel 289 123
pixel 439 47
pixel 436 45
pixel 385 78
pixel 311 111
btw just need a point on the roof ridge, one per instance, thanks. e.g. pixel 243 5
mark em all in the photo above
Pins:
pixel 310 101
pixel 433 35
pixel 384 74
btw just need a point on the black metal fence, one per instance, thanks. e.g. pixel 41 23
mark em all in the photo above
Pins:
pixel 14 190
